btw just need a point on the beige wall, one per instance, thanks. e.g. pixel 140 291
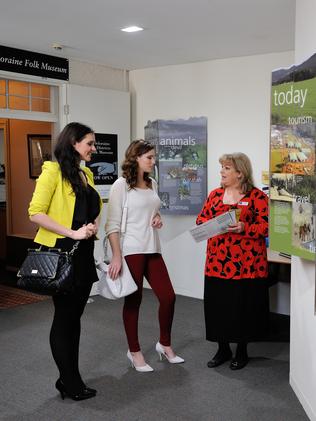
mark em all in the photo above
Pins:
pixel 98 76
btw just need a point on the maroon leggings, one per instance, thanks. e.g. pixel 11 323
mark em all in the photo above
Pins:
pixel 153 267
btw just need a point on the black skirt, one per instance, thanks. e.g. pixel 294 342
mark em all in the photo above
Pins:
pixel 236 310
pixel 83 260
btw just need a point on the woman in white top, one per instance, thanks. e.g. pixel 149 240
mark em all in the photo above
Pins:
pixel 140 248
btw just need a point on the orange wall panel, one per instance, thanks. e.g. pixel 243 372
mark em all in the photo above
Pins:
pixel 21 185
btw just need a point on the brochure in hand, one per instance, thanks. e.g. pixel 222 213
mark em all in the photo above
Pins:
pixel 215 226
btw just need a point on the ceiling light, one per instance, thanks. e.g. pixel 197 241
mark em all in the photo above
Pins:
pixel 132 29
pixel 57 46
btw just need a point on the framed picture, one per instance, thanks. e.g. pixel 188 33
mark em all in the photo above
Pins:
pixel 40 150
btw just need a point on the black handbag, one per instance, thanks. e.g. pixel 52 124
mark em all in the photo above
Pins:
pixel 47 272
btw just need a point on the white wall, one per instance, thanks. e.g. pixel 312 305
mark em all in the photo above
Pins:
pixel 106 111
pixel 303 319
pixel 234 94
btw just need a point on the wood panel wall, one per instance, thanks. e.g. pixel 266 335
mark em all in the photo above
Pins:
pixel 20 185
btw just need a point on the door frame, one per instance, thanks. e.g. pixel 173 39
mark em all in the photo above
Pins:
pixel 58 118
pixel 4 125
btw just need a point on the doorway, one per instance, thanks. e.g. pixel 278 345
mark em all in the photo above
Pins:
pixel 29 112
pixel 20 143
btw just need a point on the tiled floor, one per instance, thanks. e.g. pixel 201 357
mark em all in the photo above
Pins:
pixel 12 297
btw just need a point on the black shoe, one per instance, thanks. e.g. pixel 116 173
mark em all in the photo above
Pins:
pixel 218 359
pixel 238 364
pixel 85 393
pixel 89 389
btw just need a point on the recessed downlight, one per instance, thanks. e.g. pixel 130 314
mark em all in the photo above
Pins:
pixel 132 29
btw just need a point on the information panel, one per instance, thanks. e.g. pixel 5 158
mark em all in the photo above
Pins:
pixel 292 160
pixel 181 170
pixel 103 163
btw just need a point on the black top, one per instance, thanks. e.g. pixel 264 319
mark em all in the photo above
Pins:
pixel 87 208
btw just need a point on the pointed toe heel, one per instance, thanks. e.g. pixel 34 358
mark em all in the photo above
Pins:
pixel 172 360
pixel 86 393
pixel 141 369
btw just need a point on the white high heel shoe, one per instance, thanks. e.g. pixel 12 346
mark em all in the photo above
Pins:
pixel 143 369
pixel 162 353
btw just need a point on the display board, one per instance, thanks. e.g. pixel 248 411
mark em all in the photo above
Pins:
pixel 181 168
pixel 103 163
pixel 292 160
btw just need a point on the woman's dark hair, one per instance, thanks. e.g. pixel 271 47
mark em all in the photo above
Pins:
pixel 130 165
pixel 66 155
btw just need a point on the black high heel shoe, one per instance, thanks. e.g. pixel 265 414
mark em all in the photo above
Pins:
pixel 86 392
pixel 89 389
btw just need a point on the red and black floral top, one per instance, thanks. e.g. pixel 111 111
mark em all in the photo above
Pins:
pixel 238 256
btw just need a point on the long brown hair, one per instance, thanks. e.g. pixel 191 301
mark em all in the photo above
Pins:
pixel 130 165
pixel 242 164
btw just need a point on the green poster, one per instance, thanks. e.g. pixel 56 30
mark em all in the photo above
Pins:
pixel 292 160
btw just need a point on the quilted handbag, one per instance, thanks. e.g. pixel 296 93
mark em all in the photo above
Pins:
pixel 47 272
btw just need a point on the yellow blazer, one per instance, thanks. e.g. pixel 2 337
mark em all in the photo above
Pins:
pixel 54 197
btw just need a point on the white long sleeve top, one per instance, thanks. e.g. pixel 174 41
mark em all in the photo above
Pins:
pixel 142 205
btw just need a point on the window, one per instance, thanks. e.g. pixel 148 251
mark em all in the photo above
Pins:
pixel 3 98
pixel 26 96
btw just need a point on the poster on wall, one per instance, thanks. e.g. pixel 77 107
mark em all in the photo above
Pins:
pixel 181 167
pixel 103 163
pixel 292 160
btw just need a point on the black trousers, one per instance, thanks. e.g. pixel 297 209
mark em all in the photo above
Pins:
pixel 65 335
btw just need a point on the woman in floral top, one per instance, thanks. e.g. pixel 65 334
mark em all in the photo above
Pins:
pixel 236 301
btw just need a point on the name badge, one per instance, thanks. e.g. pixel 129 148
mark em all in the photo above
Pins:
pixel 243 203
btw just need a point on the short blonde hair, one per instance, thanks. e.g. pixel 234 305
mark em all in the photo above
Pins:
pixel 242 164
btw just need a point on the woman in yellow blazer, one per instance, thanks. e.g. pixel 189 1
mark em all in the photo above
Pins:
pixel 66 207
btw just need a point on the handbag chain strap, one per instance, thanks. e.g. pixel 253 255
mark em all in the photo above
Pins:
pixel 74 248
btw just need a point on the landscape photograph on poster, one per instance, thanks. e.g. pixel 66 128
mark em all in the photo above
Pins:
pixel 303 226
pixel 282 187
pixel 293 188
pixel 293 94
pixel 293 149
